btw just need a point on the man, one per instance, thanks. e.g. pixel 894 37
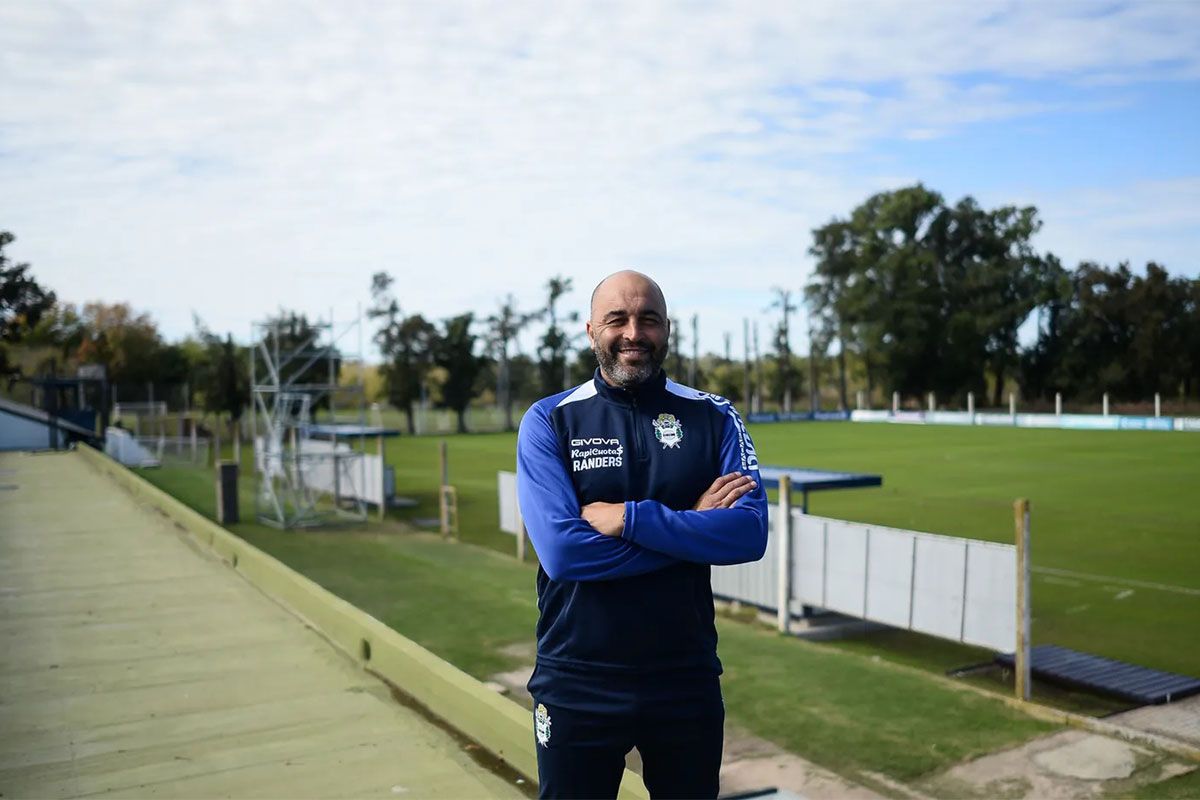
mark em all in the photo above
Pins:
pixel 631 486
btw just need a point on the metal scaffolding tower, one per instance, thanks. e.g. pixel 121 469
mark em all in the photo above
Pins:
pixel 302 481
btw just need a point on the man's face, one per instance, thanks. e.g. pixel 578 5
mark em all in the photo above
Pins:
pixel 629 330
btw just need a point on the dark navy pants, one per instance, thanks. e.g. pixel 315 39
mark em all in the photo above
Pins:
pixel 581 754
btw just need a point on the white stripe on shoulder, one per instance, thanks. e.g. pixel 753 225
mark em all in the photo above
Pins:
pixel 694 394
pixel 582 392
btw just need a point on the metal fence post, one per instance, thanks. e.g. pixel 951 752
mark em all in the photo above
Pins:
pixel 383 496
pixel 444 469
pixel 784 560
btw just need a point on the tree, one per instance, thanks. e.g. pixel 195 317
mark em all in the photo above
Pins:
pixel 828 297
pixel 584 367
pixel 230 390
pixel 783 347
pixel 454 351
pixel 725 378
pixel 125 342
pixel 930 297
pixel 555 342
pixel 1117 332
pixel 302 359
pixel 406 343
pixel 503 327
pixel 1039 371
pixel 22 301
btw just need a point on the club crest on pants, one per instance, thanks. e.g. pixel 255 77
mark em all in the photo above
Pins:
pixel 541 725
pixel 668 430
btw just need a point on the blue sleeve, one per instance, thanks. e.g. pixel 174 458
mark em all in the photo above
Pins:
pixel 568 547
pixel 720 536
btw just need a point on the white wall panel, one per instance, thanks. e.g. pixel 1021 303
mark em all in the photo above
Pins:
pixel 889 576
pixel 846 567
pixel 938 585
pixel 991 614
pixel 808 559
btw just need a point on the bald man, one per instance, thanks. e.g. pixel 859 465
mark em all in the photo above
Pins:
pixel 631 486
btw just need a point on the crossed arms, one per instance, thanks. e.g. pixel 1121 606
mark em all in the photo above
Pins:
pixel 602 541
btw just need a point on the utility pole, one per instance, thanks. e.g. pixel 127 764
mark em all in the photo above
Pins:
pixel 746 364
pixel 813 394
pixel 757 372
pixel 695 350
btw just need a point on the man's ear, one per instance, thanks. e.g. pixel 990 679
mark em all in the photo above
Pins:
pixel 587 327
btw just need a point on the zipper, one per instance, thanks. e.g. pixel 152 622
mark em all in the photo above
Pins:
pixel 643 452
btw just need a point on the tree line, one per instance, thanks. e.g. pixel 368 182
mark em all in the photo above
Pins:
pixel 909 293
pixel 930 297
pixel 415 349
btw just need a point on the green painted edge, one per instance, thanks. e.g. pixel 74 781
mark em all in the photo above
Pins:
pixel 497 723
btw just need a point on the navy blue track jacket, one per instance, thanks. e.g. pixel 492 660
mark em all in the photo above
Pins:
pixel 637 608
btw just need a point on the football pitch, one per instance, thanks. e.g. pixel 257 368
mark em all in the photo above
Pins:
pixel 1115 521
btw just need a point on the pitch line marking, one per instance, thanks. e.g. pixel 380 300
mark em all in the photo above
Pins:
pixel 1162 587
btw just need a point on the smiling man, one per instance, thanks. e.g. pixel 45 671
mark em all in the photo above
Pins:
pixel 631 486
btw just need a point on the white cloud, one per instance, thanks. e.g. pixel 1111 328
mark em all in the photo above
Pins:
pixel 233 157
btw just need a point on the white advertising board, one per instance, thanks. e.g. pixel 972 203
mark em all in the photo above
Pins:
pixel 510 509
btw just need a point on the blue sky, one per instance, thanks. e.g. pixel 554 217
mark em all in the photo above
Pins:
pixel 228 159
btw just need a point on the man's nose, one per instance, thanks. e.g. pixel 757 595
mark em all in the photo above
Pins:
pixel 631 330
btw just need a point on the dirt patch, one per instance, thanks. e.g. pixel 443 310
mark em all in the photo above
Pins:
pixel 1067 764
pixel 514 682
pixel 522 651
pixel 751 763
pixel 1179 720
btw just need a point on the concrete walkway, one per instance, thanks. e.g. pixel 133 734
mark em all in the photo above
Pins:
pixel 131 664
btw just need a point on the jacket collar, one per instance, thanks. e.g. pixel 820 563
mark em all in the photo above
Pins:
pixel 652 388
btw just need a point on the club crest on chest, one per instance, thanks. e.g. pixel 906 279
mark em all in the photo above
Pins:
pixel 668 430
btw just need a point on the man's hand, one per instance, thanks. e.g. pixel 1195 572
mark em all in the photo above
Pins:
pixel 607 518
pixel 725 491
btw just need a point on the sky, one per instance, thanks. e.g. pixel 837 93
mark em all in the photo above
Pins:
pixel 229 158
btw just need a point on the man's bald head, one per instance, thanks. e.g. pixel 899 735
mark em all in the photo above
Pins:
pixel 628 328
pixel 625 283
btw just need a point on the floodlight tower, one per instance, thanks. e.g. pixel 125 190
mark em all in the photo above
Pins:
pixel 302 481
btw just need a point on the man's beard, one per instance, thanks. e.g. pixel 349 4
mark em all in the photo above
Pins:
pixel 629 375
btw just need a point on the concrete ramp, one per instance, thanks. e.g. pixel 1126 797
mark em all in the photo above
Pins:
pixel 134 664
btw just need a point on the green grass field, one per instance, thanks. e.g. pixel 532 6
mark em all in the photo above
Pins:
pixel 1116 522
pixel 1094 494
pixel 477 608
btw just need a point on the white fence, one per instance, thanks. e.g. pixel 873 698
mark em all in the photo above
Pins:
pixel 510 511
pixel 1089 422
pixel 953 588
pixel 153 451
pixel 357 475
